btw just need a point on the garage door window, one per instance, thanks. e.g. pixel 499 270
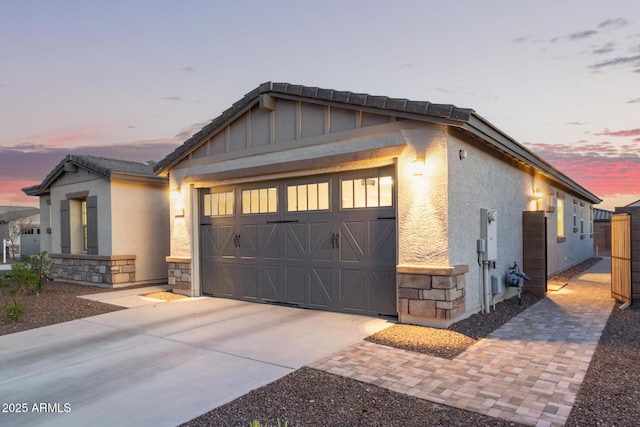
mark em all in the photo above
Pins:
pixel 218 204
pixel 260 200
pixel 308 197
pixel 367 192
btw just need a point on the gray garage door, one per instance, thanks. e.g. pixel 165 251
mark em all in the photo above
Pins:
pixel 326 242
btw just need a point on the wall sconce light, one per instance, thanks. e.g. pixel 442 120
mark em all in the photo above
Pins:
pixel 462 154
pixel 538 194
pixel 418 166
pixel 178 199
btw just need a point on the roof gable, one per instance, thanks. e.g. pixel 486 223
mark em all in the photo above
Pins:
pixel 267 95
pixel 101 166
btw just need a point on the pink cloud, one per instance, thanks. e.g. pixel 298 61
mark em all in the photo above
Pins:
pixel 599 168
pixel 24 165
pixel 631 132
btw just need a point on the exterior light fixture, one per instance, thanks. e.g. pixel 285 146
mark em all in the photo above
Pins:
pixel 418 166
pixel 538 194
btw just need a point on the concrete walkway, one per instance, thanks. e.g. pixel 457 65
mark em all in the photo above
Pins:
pixel 161 364
pixel 528 371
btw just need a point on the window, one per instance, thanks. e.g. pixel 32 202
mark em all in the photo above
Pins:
pixel 367 192
pixel 260 200
pixel 308 197
pixel 560 217
pixel 85 234
pixel 218 204
pixel 79 225
pixel 582 214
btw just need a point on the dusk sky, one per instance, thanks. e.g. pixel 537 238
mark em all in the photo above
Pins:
pixel 133 79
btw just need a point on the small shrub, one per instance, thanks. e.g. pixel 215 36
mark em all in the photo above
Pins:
pixel 40 264
pixel 14 311
pixel 22 278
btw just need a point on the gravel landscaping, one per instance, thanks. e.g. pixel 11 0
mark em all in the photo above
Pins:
pixel 609 395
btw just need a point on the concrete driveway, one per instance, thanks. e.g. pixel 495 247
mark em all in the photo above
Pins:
pixel 161 364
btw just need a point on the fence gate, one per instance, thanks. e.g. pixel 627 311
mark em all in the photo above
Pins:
pixel 621 257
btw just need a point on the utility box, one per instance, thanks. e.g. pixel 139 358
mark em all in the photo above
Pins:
pixel 489 232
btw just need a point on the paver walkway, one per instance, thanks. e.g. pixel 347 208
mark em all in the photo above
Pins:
pixel 528 371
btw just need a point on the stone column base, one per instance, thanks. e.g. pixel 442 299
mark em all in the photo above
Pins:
pixel 180 275
pixel 431 295
pixel 112 271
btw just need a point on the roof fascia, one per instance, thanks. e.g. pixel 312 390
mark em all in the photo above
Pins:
pixel 204 137
pixel 499 140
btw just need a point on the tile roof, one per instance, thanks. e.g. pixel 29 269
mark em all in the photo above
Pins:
pixel 334 97
pixel 464 118
pixel 600 215
pixel 101 166
pixel 19 212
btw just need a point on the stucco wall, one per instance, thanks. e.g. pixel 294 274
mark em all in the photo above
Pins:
pixel 481 181
pixel 75 183
pixel 45 224
pixel 422 199
pixel 140 226
pixel 484 180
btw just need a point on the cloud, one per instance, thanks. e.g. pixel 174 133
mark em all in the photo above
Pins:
pixel 576 123
pixel 621 60
pixel 522 39
pixel 633 101
pixel 613 23
pixel 190 130
pixel 23 165
pixel 172 98
pixel 597 167
pixel 188 69
pixel 582 35
pixel 606 48
pixel 630 132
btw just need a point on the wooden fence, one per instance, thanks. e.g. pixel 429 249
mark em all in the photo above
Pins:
pixel 621 257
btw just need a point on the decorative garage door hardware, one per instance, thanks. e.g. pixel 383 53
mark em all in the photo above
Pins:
pixel 335 241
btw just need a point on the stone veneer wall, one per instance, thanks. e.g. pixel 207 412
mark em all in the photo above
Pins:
pixel 431 296
pixel 101 270
pixel 180 275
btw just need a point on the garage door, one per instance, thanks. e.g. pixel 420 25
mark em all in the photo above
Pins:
pixel 326 242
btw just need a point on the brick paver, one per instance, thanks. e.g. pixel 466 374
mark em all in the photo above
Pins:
pixel 529 370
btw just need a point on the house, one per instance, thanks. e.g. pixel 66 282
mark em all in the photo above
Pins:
pixel 602 232
pixel 106 221
pixel 20 227
pixel 366 204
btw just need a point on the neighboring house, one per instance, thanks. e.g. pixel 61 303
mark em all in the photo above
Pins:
pixel 20 227
pixel 106 221
pixel 634 204
pixel 366 204
pixel 602 232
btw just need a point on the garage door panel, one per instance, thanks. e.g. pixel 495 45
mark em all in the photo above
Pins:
pixel 246 281
pixel 269 280
pixel 270 241
pixel 383 240
pixel 382 292
pixel 352 290
pixel 217 278
pixel 248 241
pixel 296 242
pixel 352 241
pixel 320 233
pixel 320 294
pixel 296 285
pixel 224 241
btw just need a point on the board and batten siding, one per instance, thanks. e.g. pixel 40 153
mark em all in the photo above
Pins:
pixel 290 121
